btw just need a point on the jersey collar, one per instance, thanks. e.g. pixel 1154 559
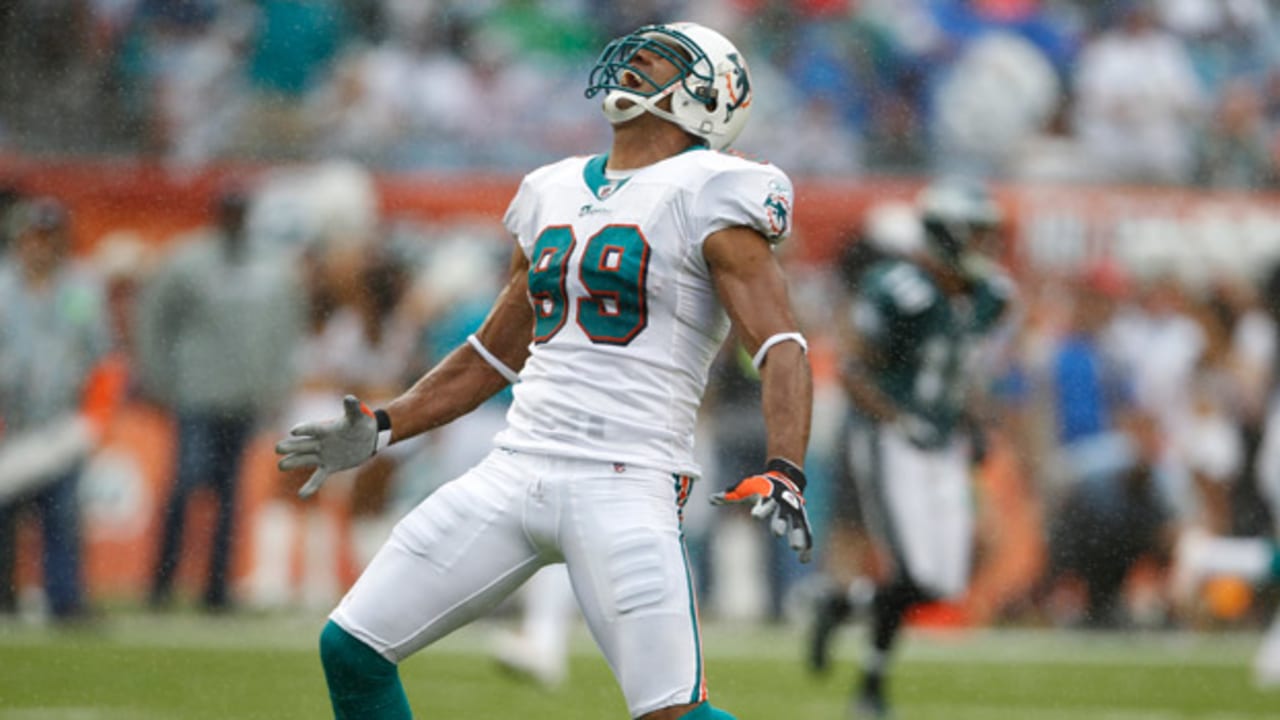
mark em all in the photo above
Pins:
pixel 600 186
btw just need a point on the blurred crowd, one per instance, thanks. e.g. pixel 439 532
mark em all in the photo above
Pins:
pixel 1134 91
pixel 1119 409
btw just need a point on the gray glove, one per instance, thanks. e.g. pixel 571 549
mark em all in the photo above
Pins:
pixel 330 446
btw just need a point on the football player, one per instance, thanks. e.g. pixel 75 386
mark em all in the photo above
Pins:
pixel 910 342
pixel 628 269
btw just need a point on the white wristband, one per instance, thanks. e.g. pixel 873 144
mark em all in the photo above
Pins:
pixel 768 344
pixel 492 359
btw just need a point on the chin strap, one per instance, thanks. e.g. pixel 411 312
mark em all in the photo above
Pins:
pixel 617 115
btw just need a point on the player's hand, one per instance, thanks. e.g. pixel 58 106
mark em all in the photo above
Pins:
pixel 330 445
pixel 779 495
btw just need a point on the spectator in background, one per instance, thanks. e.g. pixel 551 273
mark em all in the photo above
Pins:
pixel 1138 100
pixel 1164 343
pixel 283 522
pixel 1225 39
pixel 1234 150
pixel 373 345
pixel 1208 438
pixel 1000 93
pixel 10 197
pixel 211 325
pixel 53 337
pixel 1255 351
pixel 1109 515
pixel 199 84
pixel 293 47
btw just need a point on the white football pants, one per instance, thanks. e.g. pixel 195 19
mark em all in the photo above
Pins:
pixel 918 502
pixel 475 540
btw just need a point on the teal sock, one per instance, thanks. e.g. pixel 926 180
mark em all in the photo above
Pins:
pixel 705 711
pixel 1275 561
pixel 363 685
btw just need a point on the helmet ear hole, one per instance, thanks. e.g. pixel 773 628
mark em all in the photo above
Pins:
pixel 708 96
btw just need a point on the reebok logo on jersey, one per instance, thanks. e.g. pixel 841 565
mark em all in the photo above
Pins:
pixel 589 209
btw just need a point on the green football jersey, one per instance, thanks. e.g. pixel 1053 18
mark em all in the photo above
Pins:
pixel 927 339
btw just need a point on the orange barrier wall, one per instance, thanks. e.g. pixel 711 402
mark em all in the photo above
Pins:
pixel 1055 227
pixel 157 202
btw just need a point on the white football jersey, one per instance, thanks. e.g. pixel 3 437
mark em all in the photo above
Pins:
pixel 627 320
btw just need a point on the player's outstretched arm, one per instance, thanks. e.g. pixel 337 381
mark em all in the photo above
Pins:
pixel 465 378
pixel 473 372
pixel 752 289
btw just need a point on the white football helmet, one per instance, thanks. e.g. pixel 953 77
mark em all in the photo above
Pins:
pixel 710 93
pixel 954 211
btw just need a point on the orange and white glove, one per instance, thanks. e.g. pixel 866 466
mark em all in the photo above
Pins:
pixel 334 445
pixel 779 496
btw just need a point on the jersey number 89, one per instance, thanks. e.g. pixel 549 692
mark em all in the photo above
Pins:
pixel 613 269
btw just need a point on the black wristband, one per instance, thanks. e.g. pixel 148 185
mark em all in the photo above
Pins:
pixel 383 423
pixel 788 468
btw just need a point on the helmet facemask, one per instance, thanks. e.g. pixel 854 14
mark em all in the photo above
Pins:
pixel 710 91
pixel 956 215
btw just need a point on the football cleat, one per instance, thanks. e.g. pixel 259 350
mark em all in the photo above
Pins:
pixel 870 702
pixel 869 709
pixel 831 610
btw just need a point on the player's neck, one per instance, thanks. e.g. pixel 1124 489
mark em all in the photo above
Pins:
pixel 642 142
pixel 949 280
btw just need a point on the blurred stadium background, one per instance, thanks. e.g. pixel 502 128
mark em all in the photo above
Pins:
pixel 1134 146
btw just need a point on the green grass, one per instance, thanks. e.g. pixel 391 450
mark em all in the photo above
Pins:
pixel 184 666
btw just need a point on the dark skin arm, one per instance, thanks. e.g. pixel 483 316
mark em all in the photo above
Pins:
pixel 463 379
pixel 751 286
pixel 857 378
pixel 752 289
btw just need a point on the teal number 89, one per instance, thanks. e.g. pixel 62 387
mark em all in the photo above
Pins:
pixel 613 269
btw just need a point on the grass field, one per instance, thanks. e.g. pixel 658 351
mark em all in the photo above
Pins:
pixel 184 666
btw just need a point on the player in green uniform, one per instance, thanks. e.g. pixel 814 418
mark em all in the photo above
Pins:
pixel 912 336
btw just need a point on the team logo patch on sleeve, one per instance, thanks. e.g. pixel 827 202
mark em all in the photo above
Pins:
pixel 777 208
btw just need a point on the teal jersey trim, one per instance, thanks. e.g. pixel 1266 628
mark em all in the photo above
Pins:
pixel 1275 561
pixel 593 175
pixel 600 185
pixel 699 690
pixel 706 712
pixel 683 487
